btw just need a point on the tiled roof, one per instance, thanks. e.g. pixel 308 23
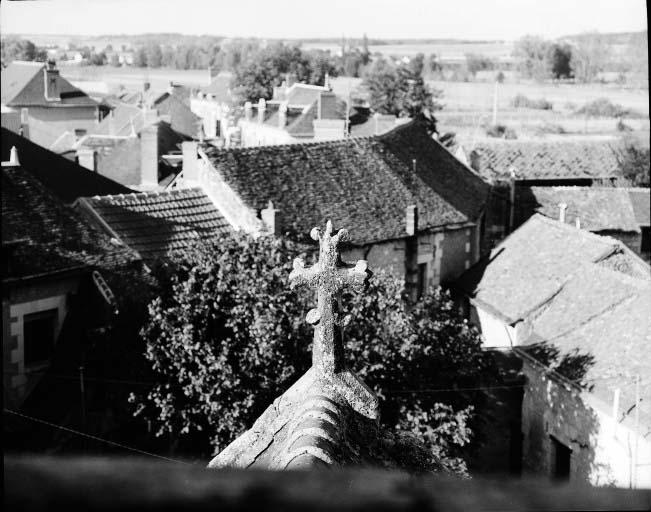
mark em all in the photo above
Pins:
pixel 153 223
pixel 532 264
pixel 182 119
pixel 641 201
pixel 598 209
pixel 302 94
pixel 26 92
pixel 363 183
pixel 603 314
pixel 220 87
pixel 50 237
pixel 64 178
pixel 535 160
pixel 375 125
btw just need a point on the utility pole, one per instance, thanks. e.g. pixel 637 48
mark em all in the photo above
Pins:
pixel 495 104
pixel 636 431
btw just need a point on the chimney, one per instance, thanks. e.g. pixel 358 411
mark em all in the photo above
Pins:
pixel 13 158
pixel 475 160
pixel 248 111
pixel 262 106
pixel 190 161
pixel 149 156
pixel 326 82
pixel 376 124
pixel 51 77
pixel 145 86
pixel 412 220
pixel 86 158
pixel 112 128
pixel 561 214
pixel 282 115
pixel 150 115
pixel 578 223
pixel 271 219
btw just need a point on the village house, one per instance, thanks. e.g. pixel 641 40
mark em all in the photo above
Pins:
pixel 53 266
pixel 573 307
pixel 139 145
pixel 214 104
pixel 296 113
pixel 429 233
pixel 40 104
pixel 508 165
pixel 620 213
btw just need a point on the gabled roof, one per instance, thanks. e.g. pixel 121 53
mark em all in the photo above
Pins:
pixel 531 265
pixel 219 87
pixel 366 183
pixel 602 315
pixel 47 236
pixel 64 178
pixel 641 201
pixel 156 223
pixel 541 160
pixel 598 209
pixel 26 87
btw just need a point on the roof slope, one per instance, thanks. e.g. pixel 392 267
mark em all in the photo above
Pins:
pixel 598 209
pixel 64 178
pixel 49 236
pixel 153 224
pixel 531 265
pixel 535 160
pixel 603 315
pixel 351 181
pixel 15 77
pixel 26 92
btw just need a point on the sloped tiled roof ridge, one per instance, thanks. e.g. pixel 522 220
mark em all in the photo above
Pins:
pixel 350 181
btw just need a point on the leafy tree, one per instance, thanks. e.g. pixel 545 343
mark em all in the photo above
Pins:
pixel 532 51
pixel 400 90
pixel 366 54
pixel 114 60
pixel 476 62
pixel 590 56
pixel 20 49
pixel 154 55
pixel 559 60
pixel 322 63
pixel 140 58
pixel 635 162
pixel 227 336
pixel 97 59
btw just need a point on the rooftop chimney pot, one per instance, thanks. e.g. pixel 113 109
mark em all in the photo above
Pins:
pixel 561 214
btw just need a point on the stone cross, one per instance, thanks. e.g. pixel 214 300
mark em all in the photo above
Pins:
pixel 329 276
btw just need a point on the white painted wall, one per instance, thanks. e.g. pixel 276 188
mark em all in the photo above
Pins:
pixel 495 332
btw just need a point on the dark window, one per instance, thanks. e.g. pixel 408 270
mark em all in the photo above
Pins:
pixel 645 246
pixel 561 460
pixel 422 278
pixel 80 133
pixel 38 336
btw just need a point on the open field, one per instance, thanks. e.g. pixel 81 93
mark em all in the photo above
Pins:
pixel 132 78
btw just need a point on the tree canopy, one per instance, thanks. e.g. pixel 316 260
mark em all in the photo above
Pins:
pixel 229 336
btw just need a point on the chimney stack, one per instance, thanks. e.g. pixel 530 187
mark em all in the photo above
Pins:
pixel 561 214
pixel 578 223
pixel 149 157
pixel 13 158
pixel 248 111
pixel 262 106
pixel 150 115
pixel 86 158
pixel 190 161
pixel 271 219
pixel 145 86
pixel 282 115
pixel 51 77
pixel 412 219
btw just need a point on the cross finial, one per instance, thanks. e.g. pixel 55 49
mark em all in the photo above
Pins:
pixel 329 276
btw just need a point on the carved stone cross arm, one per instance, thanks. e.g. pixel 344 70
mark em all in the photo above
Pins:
pixel 329 276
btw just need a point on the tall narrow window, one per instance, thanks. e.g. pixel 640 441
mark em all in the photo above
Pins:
pixel 422 279
pixel 38 336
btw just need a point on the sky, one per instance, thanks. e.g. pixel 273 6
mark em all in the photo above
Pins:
pixel 458 19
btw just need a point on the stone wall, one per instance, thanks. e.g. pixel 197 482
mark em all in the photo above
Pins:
pixel 601 448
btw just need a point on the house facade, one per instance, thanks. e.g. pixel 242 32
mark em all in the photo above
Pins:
pixel 428 234
pixel 46 104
